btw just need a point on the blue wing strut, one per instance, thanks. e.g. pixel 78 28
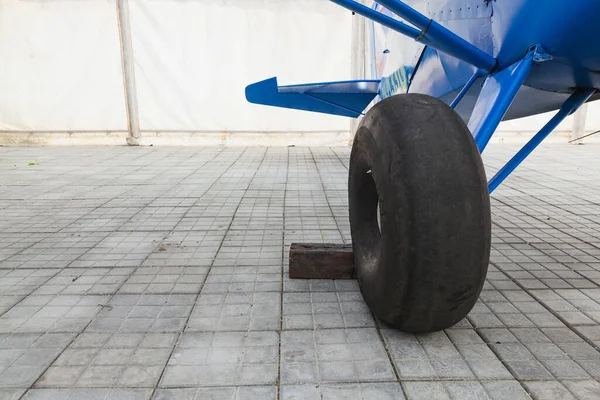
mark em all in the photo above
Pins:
pixel 345 98
pixel 498 93
pixel 576 100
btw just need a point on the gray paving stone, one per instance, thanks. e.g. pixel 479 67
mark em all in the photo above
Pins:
pixel 546 351
pixel 221 359
pixel 589 332
pixel 24 357
pixel 592 367
pixel 20 376
pixel 333 355
pixel 175 394
pixel 528 370
pixel 100 376
pixel 498 335
pixel 548 391
pixel 117 269
pixel 500 390
pixel 512 351
pixel 565 369
pixel 91 394
pixel 464 336
pixel 61 314
pixel 484 320
pixel 119 360
pixel 11 394
pixel 579 351
pixel 145 313
pixel 362 391
pixel 561 335
pixel 61 376
pixel 488 369
pixel 425 391
pixel 236 312
pixel 530 335
pixel 466 391
pixel 576 318
pixel 306 310
pixel 584 390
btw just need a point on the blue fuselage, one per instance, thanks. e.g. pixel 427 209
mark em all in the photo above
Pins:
pixel 568 30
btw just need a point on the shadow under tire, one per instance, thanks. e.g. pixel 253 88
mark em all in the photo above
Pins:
pixel 419 214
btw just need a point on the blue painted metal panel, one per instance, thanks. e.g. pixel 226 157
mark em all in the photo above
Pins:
pixel 349 87
pixel 346 98
pixel 453 45
pixel 567 29
pixel 498 93
pixel 439 74
pixel 379 18
pixel 432 33
pixel 449 10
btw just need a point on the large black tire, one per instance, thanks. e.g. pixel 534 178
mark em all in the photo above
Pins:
pixel 420 268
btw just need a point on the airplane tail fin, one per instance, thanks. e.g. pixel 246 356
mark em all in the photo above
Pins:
pixel 345 98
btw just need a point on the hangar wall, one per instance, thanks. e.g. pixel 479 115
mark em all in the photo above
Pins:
pixel 61 74
pixel 60 66
pixel 62 81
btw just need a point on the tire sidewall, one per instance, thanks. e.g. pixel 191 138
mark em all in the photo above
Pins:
pixel 408 140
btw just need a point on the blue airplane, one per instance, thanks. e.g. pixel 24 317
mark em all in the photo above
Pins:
pixel 449 71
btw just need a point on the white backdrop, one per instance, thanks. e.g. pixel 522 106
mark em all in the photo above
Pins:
pixel 60 66
pixel 60 63
pixel 194 58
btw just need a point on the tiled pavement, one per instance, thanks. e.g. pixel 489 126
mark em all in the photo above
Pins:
pixel 137 273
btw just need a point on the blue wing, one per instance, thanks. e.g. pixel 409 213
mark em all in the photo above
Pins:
pixel 345 98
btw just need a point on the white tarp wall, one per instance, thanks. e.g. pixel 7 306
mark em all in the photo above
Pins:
pixel 62 81
pixel 194 58
pixel 60 66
